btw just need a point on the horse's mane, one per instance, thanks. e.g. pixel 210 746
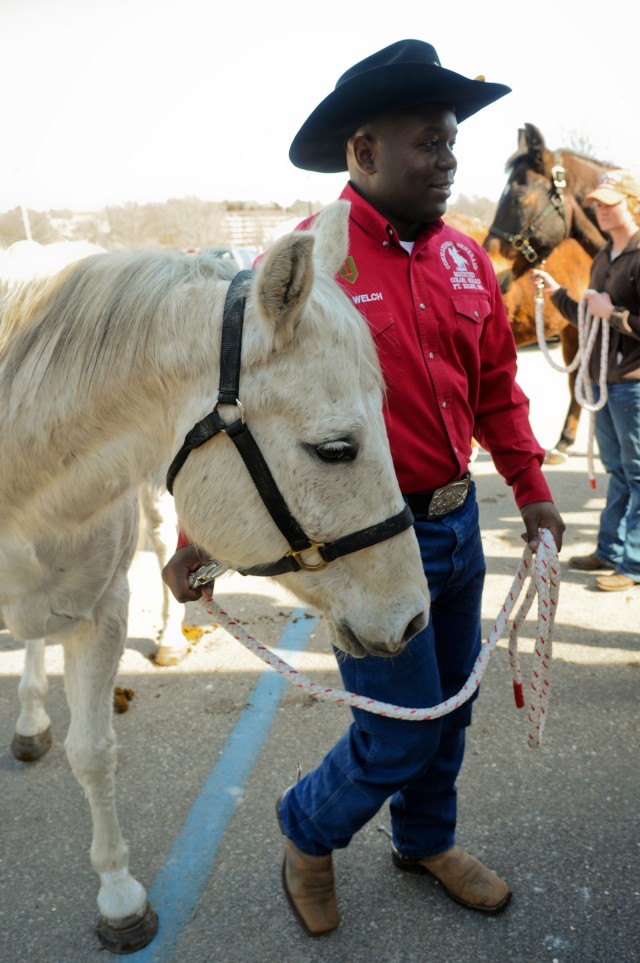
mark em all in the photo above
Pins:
pixel 28 271
pixel 580 156
pixel 85 315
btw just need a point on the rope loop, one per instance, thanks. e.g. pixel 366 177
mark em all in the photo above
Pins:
pixel 543 574
pixel 588 326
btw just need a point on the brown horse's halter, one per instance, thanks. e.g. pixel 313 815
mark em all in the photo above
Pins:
pixel 522 241
pixel 238 432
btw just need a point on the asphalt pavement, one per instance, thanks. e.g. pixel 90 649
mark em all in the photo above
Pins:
pixel 207 746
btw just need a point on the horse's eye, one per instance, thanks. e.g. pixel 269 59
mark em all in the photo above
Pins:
pixel 339 450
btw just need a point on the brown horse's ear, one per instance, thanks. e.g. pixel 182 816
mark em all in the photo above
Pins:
pixel 535 147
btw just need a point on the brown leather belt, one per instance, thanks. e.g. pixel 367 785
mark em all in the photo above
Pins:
pixel 443 501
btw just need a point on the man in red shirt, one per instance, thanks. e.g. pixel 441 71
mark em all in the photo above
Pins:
pixel 431 299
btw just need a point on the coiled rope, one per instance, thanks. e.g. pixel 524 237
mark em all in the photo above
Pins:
pixel 544 580
pixel 588 326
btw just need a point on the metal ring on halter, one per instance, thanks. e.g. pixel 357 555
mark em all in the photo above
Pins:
pixel 309 566
pixel 237 404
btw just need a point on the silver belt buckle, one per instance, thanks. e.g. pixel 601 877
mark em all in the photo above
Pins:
pixel 448 499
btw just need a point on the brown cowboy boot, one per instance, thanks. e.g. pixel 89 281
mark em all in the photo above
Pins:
pixel 462 877
pixel 310 888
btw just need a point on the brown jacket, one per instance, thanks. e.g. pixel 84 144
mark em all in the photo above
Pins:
pixel 620 279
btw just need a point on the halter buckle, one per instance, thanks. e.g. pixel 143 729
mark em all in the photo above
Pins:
pixel 522 244
pixel 558 176
pixel 309 566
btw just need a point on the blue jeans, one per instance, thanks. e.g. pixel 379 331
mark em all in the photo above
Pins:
pixel 618 437
pixel 414 764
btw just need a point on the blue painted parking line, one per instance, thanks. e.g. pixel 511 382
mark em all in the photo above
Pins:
pixel 177 887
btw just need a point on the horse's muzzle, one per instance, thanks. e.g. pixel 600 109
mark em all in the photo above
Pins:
pixel 358 647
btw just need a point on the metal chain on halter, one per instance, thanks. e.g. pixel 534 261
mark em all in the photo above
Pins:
pixel 544 580
pixel 587 333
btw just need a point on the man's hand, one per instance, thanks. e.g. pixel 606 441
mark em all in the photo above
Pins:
pixel 542 515
pixel 178 569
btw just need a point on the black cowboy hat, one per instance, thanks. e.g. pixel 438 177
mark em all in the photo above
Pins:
pixel 405 74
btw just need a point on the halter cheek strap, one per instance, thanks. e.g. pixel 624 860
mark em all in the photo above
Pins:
pixel 238 431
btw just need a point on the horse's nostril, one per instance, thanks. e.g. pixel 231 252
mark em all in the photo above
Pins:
pixel 417 624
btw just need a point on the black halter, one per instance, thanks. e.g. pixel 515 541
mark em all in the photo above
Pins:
pixel 238 432
pixel 522 241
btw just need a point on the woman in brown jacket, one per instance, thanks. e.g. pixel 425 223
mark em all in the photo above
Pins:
pixel 614 296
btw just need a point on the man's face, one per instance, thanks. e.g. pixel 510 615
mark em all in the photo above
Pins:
pixel 411 165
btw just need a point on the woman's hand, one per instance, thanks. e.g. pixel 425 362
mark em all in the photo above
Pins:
pixel 599 304
pixel 543 281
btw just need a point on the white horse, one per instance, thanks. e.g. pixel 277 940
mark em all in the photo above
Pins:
pixel 99 385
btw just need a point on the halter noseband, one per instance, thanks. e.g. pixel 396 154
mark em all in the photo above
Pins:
pixel 238 432
pixel 522 241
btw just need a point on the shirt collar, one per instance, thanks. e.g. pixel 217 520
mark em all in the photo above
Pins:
pixel 371 221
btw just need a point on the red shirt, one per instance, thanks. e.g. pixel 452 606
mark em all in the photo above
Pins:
pixel 447 353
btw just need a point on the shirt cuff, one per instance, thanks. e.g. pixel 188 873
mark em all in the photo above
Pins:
pixel 531 486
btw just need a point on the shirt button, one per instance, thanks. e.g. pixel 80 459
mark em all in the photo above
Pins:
pixel 422 307
pixel 385 244
pixel 444 404
pixel 475 314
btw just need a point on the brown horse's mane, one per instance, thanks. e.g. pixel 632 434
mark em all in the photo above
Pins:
pixel 577 155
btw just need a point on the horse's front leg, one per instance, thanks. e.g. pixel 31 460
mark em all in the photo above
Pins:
pixel 570 346
pixel 127 922
pixel 32 736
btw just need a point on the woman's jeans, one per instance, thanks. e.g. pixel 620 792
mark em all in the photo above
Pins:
pixel 416 764
pixel 618 437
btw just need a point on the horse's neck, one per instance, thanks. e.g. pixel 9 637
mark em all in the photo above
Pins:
pixel 585 231
pixel 585 174
pixel 59 477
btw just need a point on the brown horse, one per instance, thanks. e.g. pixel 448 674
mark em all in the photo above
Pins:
pixel 541 207
pixel 570 265
pixel 543 203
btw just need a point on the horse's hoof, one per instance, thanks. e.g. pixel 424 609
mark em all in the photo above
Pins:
pixel 169 655
pixel 555 457
pixel 31 748
pixel 135 932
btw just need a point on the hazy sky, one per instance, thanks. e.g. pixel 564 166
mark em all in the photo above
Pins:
pixel 108 101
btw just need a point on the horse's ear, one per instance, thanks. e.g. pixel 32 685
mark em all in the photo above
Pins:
pixel 283 284
pixel 535 147
pixel 331 228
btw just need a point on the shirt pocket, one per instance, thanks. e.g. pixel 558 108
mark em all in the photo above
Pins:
pixel 471 311
pixel 386 338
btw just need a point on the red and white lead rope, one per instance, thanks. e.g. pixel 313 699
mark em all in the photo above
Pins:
pixel 544 580
pixel 587 333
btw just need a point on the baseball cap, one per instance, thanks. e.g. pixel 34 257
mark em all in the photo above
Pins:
pixel 614 186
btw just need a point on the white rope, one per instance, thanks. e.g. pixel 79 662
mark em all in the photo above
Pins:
pixel 544 577
pixel 587 333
